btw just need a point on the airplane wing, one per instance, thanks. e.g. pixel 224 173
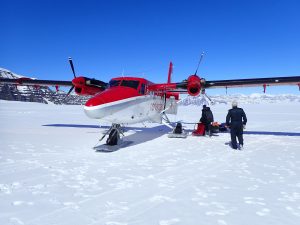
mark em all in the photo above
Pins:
pixel 253 82
pixel 194 84
pixel 82 85
pixel 27 81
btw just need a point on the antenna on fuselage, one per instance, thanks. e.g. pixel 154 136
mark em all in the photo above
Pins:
pixel 201 57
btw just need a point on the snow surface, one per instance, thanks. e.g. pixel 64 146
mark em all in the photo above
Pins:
pixel 49 173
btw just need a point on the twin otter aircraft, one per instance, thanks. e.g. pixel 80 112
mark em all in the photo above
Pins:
pixel 127 100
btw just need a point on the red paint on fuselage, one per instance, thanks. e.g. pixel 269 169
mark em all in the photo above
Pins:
pixel 111 95
pixel 122 88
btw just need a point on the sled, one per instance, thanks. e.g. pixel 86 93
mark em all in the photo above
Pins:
pixel 174 135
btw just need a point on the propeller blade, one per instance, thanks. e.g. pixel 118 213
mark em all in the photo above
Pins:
pixel 72 66
pixel 201 57
pixel 71 89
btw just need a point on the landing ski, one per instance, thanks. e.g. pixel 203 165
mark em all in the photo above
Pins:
pixel 112 148
pixel 174 135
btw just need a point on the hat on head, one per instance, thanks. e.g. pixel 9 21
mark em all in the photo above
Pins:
pixel 234 103
pixel 204 106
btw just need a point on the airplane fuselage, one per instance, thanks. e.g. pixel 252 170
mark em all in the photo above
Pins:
pixel 127 100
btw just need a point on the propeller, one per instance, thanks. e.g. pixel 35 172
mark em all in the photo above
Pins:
pixel 84 81
pixel 201 57
pixel 72 66
pixel 73 70
pixel 71 89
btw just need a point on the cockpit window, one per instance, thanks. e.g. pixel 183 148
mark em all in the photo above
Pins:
pixel 130 83
pixel 114 83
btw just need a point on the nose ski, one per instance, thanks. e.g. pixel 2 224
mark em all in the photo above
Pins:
pixel 112 148
pixel 114 141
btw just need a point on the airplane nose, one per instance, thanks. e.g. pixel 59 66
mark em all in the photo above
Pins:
pixel 108 102
pixel 93 109
pixel 95 101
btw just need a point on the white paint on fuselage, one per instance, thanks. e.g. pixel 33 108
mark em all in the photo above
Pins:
pixel 131 110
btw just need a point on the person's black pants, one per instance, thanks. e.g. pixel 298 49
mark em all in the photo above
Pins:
pixel 236 132
pixel 208 127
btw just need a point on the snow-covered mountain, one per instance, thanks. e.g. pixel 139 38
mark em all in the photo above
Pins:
pixel 4 73
pixel 255 98
pixel 46 95
pixel 32 94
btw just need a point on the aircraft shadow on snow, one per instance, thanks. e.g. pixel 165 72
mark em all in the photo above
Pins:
pixel 140 135
pixel 144 134
pixel 273 133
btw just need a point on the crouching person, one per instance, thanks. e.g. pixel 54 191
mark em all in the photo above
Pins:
pixel 207 118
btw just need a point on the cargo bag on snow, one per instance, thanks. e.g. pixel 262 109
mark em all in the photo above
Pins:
pixel 200 130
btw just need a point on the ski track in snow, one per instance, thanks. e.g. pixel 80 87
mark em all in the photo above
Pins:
pixel 51 175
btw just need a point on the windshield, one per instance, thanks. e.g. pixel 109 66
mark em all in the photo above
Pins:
pixel 114 83
pixel 130 83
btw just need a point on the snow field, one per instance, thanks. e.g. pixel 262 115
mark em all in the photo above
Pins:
pixel 50 174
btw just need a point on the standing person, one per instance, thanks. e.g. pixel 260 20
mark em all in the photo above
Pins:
pixel 236 119
pixel 207 118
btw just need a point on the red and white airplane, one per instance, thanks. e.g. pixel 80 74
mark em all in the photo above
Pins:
pixel 128 100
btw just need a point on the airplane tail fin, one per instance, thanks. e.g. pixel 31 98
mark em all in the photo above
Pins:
pixel 170 72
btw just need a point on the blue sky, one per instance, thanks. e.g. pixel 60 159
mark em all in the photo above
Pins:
pixel 241 39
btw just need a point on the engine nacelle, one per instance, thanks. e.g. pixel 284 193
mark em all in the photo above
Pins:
pixel 194 85
pixel 86 86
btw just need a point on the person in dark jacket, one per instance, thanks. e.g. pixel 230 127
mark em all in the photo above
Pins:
pixel 236 119
pixel 207 118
